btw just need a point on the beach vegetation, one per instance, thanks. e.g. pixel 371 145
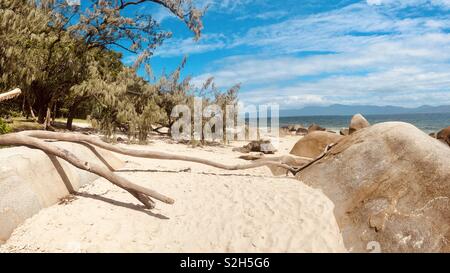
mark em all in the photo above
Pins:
pixel 68 63
pixel 4 127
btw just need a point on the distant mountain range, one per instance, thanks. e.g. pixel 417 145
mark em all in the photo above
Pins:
pixel 348 110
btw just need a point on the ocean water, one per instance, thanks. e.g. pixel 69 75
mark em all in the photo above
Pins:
pixel 426 122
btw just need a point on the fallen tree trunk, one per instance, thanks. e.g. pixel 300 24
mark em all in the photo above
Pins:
pixel 10 95
pixel 74 137
pixel 143 194
pixel 34 139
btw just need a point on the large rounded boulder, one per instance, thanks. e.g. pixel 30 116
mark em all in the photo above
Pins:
pixel 390 184
pixel 358 122
pixel 313 144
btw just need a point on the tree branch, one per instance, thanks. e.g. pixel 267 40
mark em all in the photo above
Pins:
pixel 73 137
pixel 141 193
pixel 125 4
pixel 322 155
pixel 10 95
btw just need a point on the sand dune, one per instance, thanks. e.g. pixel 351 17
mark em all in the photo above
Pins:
pixel 215 211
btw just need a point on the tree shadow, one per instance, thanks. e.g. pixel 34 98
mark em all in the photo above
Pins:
pixel 62 173
pixel 135 207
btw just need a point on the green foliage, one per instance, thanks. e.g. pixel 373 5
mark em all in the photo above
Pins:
pixel 131 105
pixel 4 127
pixel 128 104
pixel 52 58
pixel 66 67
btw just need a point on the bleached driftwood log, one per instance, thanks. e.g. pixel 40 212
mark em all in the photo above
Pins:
pixel 35 139
pixel 10 95
pixel 143 194
pixel 74 137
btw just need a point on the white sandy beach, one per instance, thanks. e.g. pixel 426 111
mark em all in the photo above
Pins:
pixel 215 211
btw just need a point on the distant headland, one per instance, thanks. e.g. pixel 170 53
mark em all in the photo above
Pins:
pixel 348 110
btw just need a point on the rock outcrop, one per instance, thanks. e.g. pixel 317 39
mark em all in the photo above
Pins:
pixel 294 130
pixel 31 180
pixel 313 144
pixel 390 184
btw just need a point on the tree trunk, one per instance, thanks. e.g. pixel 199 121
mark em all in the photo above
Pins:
pixel 144 195
pixel 74 137
pixel 54 113
pixel 42 112
pixel 42 102
pixel 32 112
pixel 70 116
pixel 30 107
pixel 24 112
pixel 48 116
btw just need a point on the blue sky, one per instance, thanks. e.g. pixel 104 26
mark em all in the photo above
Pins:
pixel 303 52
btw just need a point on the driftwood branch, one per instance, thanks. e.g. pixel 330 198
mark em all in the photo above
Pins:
pixel 143 194
pixel 322 155
pixel 302 162
pixel 74 137
pixel 10 95
pixel 35 139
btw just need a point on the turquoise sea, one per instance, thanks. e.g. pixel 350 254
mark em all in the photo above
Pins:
pixel 426 122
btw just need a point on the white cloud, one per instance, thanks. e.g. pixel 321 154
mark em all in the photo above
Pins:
pixel 162 14
pixel 413 51
pixel 180 47
pixel 410 3
pixel 328 31
pixel 377 58
pixel 223 5
pixel 344 30
pixel 129 59
pixel 374 2
pixel 264 15
pixel 373 56
pixel 399 86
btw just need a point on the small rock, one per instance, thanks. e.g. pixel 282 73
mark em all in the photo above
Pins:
pixel 314 127
pixel 344 132
pixel 358 122
pixel 302 131
pixel 264 146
